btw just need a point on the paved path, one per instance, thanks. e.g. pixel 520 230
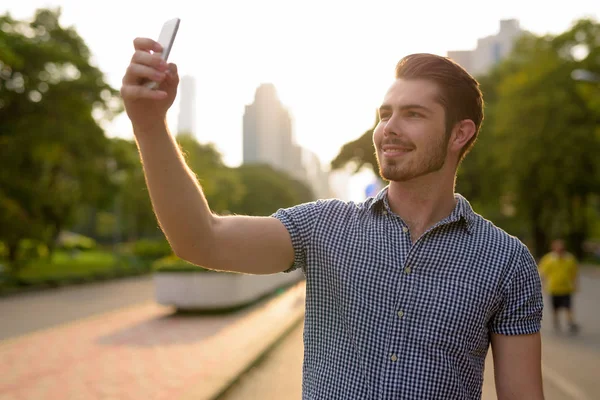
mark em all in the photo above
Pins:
pixel 28 312
pixel 571 365
pixel 143 352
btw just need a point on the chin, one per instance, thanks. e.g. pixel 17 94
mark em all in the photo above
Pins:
pixel 394 175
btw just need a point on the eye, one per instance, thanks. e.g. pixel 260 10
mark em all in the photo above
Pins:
pixel 384 116
pixel 414 114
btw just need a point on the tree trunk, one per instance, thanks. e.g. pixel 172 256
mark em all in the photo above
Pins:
pixel 53 238
pixel 575 244
pixel 12 253
pixel 577 220
pixel 540 237
pixel 13 262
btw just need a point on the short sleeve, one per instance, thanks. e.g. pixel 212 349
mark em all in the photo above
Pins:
pixel 300 222
pixel 522 303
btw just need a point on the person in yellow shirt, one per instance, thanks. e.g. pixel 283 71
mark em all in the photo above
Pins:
pixel 559 270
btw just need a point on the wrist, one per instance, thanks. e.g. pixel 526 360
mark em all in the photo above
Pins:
pixel 149 127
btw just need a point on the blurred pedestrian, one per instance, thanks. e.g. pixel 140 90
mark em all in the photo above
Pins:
pixel 559 270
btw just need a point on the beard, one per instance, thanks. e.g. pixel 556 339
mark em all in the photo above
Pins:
pixel 413 164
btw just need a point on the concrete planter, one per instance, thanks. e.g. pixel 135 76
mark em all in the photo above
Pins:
pixel 213 290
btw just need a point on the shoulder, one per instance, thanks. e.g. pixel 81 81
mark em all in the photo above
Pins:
pixel 494 239
pixel 506 258
pixel 485 236
pixel 547 258
pixel 571 258
pixel 324 209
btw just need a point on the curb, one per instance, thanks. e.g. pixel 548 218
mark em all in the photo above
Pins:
pixel 245 343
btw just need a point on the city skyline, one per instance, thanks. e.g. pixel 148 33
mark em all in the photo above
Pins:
pixel 186 118
pixel 331 62
pixel 268 138
pixel 490 49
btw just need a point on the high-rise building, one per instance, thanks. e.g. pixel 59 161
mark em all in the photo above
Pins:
pixel 267 134
pixel 317 177
pixel 490 50
pixel 186 121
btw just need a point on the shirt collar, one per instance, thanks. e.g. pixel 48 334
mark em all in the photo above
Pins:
pixel 463 210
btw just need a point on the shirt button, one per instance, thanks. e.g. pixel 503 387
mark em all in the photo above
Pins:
pixel 401 313
pixel 385 212
pixel 404 229
pixel 394 357
pixel 407 270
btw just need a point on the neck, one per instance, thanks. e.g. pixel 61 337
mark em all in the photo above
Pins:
pixel 422 202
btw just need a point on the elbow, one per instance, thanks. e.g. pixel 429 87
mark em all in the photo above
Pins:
pixel 192 254
pixel 197 246
pixel 181 253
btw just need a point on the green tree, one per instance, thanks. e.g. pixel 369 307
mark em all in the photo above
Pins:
pixel 546 139
pixel 267 190
pixel 534 170
pixel 220 184
pixel 53 151
pixel 359 152
pixel 130 207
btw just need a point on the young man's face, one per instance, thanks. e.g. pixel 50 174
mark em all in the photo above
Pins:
pixel 411 137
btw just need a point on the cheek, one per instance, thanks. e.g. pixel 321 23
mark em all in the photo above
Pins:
pixel 377 135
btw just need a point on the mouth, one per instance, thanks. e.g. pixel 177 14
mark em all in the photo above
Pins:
pixel 395 151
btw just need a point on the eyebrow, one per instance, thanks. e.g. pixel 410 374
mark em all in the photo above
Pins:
pixel 387 107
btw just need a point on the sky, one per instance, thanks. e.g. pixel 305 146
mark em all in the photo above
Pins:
pixel 331 61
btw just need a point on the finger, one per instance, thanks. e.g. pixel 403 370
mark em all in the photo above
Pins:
pixel 172 78
pixel 151 60
pixel 138 92
pixel 146 44
pixel 137 73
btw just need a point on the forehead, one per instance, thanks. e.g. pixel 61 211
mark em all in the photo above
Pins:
pixel 413 91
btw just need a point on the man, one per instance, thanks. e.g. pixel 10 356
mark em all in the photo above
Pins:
pixel 559 270
pixel 406 290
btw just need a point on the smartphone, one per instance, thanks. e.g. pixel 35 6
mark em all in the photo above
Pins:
pixel 166 39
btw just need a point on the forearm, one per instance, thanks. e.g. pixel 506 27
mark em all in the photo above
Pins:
pixel 177 198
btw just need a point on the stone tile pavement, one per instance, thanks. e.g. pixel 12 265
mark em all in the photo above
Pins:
pixel 144 352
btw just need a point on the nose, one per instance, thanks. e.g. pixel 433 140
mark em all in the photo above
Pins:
pixel 390 127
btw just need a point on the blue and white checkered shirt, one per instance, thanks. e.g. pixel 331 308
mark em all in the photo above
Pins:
pixel 388 319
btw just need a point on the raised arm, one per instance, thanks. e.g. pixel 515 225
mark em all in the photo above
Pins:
pixel 257 245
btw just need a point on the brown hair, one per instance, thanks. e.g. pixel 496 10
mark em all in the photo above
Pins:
pixel 459 91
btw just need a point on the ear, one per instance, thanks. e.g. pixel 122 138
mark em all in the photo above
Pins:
pixel 462 133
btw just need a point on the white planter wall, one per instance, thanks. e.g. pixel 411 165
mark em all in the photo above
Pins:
pixel 205 290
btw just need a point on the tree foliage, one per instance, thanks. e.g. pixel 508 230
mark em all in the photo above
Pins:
pixel 53 150
pixel 359 152
pixel 535 169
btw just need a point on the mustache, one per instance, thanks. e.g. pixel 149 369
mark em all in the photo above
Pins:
pixel 398 142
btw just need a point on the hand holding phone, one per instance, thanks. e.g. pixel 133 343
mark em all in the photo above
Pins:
pixel 166 39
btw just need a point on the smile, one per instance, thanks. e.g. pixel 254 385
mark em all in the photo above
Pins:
pixel 395 151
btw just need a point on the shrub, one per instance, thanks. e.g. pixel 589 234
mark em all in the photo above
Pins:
pixel 72 241
pixel 151 248
pixel 31 250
